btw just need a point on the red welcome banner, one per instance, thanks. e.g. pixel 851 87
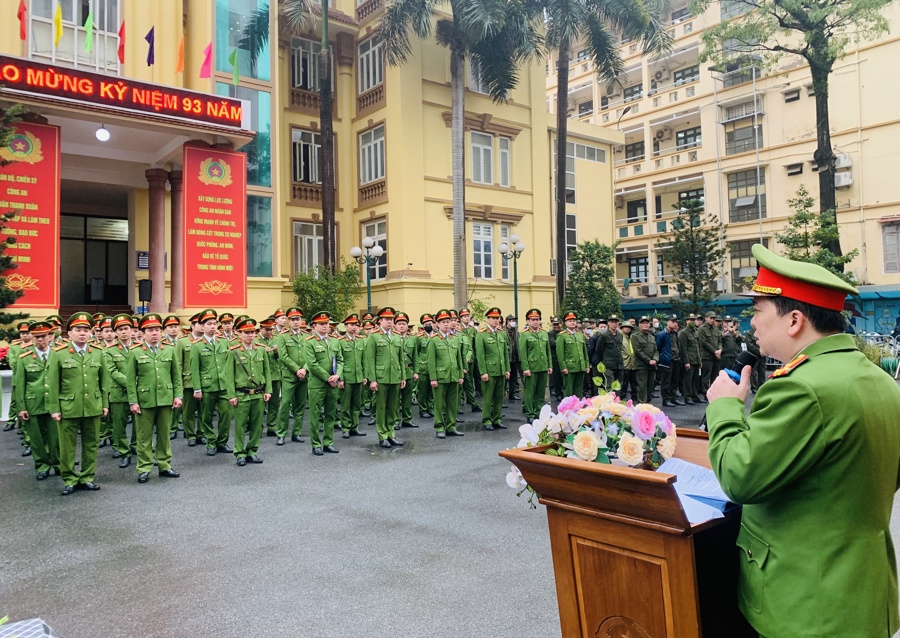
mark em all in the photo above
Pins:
pixel 215 222
pixel 30 186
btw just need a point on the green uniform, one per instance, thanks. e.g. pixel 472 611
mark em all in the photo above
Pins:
pixel 211 368
pixel 294 391
pixel 690 354
pixel 190 406
pixel 445 365
pixel 79 384
pixel 571 352
pixel 731 348
pixel 116 360
pixel 492 357
pixel 274 403
pixel 12 357
pixel 709 339
pixel 534 354
pixel 815 465
pixel 383 357
pixel 424 393
pixel 31 390
pixel 758 376
pixel 324 358
pixel 644 344
pixel 251 380
pixel 608 351
pixel 154 382
pixel 408 364
pixel 468 388
pixel 353 349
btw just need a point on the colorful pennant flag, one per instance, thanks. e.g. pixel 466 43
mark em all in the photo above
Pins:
pixel 121 50
pixel 89 32
pixel 235 73
pixel 179 62
pixel 57 25
pixel 206 67
pixel 151 58
pixel 23 30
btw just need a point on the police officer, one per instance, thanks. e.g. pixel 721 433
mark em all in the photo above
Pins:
pixel 250 390
pixel 294 387
pixel 12 355
pixel 669 364
pixel 556 384
pixel 608 351
pixel 571 352
pixel 116 359
pixel 154 390
pixel 210 378
pixel 324 358
pixel 410 375
pixel 385 375
pixel 468 331
pixel 190 405
pixel 690 360
pixel 646 356
pixel 709 337
pixel 31 391
pixel 492 355
pixel 534 354
pixel 424 391
pixel 731 342
pixel 266 339
pixel 351 385
pixel 515 368
pixel 445 374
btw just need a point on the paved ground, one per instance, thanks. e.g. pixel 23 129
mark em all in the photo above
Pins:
pixel 426 540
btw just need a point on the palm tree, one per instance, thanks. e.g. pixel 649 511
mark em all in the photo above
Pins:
pixel 602 25
pixel 497 36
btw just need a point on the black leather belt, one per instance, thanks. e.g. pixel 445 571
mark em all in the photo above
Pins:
pixel 250 390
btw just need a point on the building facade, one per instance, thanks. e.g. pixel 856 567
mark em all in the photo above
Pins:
pixel 120 200
pixel 743 140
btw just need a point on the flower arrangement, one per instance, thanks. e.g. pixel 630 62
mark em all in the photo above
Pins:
pixel 594 429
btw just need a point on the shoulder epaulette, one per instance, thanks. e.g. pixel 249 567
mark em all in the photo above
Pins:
pixel 135 345
pixel 526 329
pixel 311 337
pixel 25 354
pixel 482 329
pixel 234 347
pixel 342 338
pixel 196 340
pixel 15 342
pixel 786 369
pixel 61 346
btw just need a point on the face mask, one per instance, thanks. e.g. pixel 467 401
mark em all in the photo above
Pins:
pixel 602 328
pixel 655 325
pixel 512 324
pixel 428 329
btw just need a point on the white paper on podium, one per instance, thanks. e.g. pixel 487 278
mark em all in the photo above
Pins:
pixel 694 480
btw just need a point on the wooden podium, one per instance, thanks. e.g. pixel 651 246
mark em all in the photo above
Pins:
pixel 627 562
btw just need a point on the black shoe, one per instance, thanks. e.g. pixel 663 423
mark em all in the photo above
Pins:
pixel 371 421
pixel 296 438
pixel 201 440
pixel 346 434
pixel 224 448
pixel 441 435
pixel 366 412
pixel 331 449
pixel 500 426
pixel 356 433
pixel 476 408
pixel 280 441
pixel 125 462
pixel 396 427
pixel 192 442
pixel 505 405
pixel 395 442
pixel 254 459
pixel 10 425
pixel 689 402
pixel 488 426
pixel 454 433
pixel 410 425
pixel 515 397
pixel 143 477
pixel 668 404
pixel 27 452
pixel 173 435
pixel 702 400
pixel 68 489
pixel 270 433
pixel 679 402
pixel 241 461
pixel 54 471
pixel 41 476
pixel 90 486
pixel 385 444
pixel 117 455
pixel 318 451
pixel 170 473
pixel 103 444
pixel 210 451
pixel 426 415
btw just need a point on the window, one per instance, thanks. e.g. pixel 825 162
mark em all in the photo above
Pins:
pixel 309 251
pixel 634 152
pixel 259 150
pixel 741 110
pixel 378 232
pixel 475 83
pixel 743 264
pixel 571 237
pixel 743 192
pixel 590 153
pixel 680 15
pixel 638 269
pixel 105 18
pixel 743 139
pixel 482 158
pixel 371 155
pixel 794 169
pixel 688 138
pixel 503 143
pixel 259 236
pixel 660 267
pixel 582 55
pixel 890 234
pixel 637 211
pixel 686 76
pixel 306 159
pixel 305 64
pixel 733 8
pixel 585 108
pixel 693 194
pixel 504 263
pixel 240 24
pixel 633 92
pixel 482 250
pixel 371 64
pixel 791 96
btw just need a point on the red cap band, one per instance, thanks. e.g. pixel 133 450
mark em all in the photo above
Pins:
pixel 770 282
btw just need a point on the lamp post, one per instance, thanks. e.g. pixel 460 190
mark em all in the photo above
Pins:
pixel 513 250
pixel 373 253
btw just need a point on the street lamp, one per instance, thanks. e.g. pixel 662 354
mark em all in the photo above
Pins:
pixel 513 250
pixel 373 253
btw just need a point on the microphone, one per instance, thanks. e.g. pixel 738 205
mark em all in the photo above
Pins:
pixel 744 359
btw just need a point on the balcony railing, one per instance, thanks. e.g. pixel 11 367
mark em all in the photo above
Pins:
pixel 371 99
pixel 367 8
pixel 304 193
pixel 374 191
pixel 305 100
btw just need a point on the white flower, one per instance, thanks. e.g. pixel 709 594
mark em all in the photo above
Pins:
pixel 586 444
pixel 666 447
pixel 631 449
pixel 514 479
pixel 531 434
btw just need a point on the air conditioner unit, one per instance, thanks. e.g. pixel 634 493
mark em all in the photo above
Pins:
pixel 620 201
pixel 621 258
pixel 648 290
pixel 843 161
pixel 718 285
pixel 663 134
pixel 843 180
pixel 662 74
pixel 612 90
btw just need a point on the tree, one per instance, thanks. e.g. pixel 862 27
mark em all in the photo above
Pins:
pixel 819 31
pixel 497 36
pixel 694 252
pixel 8 118
pixel 808 235
pixel 601 24
pixel 336 292
pixel 591 290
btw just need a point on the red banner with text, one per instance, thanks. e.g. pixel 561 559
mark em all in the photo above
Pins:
pixel 215 220
pixel 30 185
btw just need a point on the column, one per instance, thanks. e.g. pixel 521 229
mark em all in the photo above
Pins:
pixel 177 219
pixel 156 178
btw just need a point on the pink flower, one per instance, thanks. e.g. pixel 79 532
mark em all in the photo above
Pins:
pixel 644 425
pixel 664 423
pixel 571 403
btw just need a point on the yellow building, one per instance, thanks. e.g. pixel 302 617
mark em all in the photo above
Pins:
pixel 744 141
pixel 392 156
